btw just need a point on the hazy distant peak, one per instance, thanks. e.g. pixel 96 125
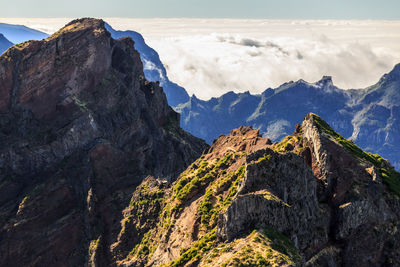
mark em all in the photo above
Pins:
pixel 4 43
pixel 19 33
pixel 395 73
pixel 194 98
pixel 325 79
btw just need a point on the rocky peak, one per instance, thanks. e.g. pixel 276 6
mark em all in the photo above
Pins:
pixel 80 128
pixel 243 139
pixel 393 75
pixel 194 99
pixel 268 93
pixel 325 82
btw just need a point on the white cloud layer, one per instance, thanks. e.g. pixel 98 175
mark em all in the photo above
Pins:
pixel 212 56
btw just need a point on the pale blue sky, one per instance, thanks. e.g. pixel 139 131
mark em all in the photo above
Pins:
pixel 287 9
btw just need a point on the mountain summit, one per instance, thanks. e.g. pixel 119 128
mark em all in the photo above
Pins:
pixel 80 128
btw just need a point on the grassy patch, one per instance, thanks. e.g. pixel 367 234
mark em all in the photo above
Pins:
pixel 219 186
pixel 93 246
pixel 80 104
pixel 215 201
pixel 292 143
pixel 199 248
pixel 143 248
pixel 266 157
pixel 264 247
pixel 271 197
pixel 202 174
pixel 392 179
pixel 281 243
pixel 23 201
pixel 22 45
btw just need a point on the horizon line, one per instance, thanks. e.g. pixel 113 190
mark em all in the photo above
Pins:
pixel 214 18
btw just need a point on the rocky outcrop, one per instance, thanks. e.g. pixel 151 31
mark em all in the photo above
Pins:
pixel 314 199
pixel 340 212
pixel 80 128
pixel 278 191
pixel 356 188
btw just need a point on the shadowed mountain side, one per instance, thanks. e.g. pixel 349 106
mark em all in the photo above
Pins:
pixel 80 128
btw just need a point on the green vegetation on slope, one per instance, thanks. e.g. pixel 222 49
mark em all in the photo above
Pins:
pixel 199 248
pixel 192 182
pixel 93 245
pixel 24 200
pixel 214 201
pixel 263 247
pixel 200 177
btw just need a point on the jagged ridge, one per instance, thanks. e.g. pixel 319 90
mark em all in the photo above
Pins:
pixel 368 116
pixel 313 199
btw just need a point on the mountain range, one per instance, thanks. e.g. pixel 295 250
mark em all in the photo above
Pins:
pixel 19 33
pixel 95 170
pixel 370 117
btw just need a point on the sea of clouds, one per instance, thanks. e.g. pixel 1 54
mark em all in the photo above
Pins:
pixel 212 56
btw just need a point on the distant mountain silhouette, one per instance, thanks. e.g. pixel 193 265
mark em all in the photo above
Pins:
pixel 4 43
pixel 19 33
pixel 370 116
pixel 154 70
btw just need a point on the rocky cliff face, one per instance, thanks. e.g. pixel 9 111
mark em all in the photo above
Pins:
pixel 314 199
pixel 154 69
pixel 80 128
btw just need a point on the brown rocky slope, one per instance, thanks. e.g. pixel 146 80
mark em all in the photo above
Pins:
pixel 80 128
pixel 314 199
